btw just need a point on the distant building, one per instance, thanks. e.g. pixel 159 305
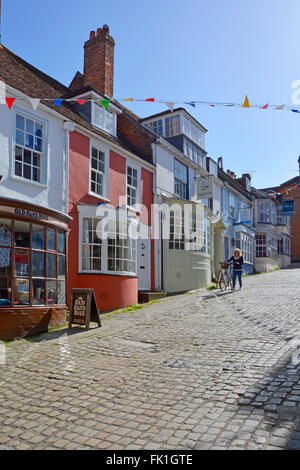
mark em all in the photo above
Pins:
pixel 293 195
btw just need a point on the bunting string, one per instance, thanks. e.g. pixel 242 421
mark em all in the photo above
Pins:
pixel 286 191
pixel 169 103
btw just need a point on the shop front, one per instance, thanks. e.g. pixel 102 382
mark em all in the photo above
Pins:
pixel 33 276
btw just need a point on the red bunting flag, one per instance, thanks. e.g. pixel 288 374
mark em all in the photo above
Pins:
pixel 295 187
pixel 265 106
pixel 150 99
pixel 81 101
pixel 9 102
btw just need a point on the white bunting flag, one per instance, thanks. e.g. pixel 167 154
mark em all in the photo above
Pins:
pixel 35 103
pixel 170 105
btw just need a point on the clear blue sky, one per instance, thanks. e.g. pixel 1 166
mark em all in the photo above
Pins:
pixel 184 50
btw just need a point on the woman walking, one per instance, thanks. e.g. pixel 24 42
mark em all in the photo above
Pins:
pixel 237 272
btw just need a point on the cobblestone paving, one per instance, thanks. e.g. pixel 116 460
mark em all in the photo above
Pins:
pixel 203 370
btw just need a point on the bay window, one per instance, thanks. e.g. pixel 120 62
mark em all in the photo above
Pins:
pixel 32 264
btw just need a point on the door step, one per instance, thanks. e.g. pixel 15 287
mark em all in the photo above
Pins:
pixel 145 297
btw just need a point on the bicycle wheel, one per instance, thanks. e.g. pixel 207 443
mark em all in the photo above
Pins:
pixel 230 283
pixel 222 283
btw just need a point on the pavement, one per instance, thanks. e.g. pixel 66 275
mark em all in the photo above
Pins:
pixel 202 370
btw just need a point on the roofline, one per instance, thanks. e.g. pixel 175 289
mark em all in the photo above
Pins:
pixel 171 112
pixel 85 130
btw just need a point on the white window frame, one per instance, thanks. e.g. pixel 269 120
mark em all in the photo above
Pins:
pixel 112 116
pixel 43 155
pixel 105 151
pixel 89 212
pixel 231 205
pixel 133 165
pixel 245 242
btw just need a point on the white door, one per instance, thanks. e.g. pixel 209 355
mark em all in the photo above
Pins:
pixel 143 263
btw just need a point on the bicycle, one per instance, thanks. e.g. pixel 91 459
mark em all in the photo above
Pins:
pixel 224 277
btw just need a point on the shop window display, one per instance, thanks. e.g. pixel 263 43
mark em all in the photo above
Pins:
pixel 32 264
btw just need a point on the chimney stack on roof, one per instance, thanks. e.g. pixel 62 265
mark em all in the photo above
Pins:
pixel 231 174
pixel 99 62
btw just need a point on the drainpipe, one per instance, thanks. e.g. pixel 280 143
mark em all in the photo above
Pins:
pixel 68 127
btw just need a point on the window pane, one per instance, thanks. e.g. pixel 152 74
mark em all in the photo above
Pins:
pixel 38 237
pixel 29 126
pixel 18 169
pixel 20 122
pixel 22 262
pixel 38 269
pixel 19 154
pixel 51 265
pixel 61 241
pixel 61 267
pixel 51 292
pixel 51 239
pixel 38 286
pixel 22 292
pixel 5 261
pixel 20 137
pixel 29 141
pixel 5 292
pixel 27 172
pixel 38 129
pixel 22 234
pixel 5 240
pixel 61 293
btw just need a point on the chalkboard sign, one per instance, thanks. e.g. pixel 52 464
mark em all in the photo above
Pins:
pixel 83 308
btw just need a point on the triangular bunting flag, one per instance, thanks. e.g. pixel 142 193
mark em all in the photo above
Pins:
pixel 280 107
pixel 229 104
pixel 265 106
pixel 128 99
pixel 9 102
pixel 150 99
pixel 246 103
pixel 170 105
pixel 212 105
pixel 35 103
pixel 81 101
pixel 299 185
pixel 295 110
pixel 58 102
pixel 295 187
pixel 105 103
pixel 191 104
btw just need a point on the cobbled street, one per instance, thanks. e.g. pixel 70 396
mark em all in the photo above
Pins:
pixel 203 370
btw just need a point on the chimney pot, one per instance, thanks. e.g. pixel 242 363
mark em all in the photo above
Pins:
pixel 92 34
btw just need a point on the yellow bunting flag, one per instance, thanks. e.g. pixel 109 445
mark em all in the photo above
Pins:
pixel 246 103
pixel 128 99
pixel 280 107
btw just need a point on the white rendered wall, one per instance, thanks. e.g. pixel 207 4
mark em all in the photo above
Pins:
pixel 51 194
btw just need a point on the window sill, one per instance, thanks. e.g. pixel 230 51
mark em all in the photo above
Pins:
pixel 112 273
pixel 133 209
pixel 26 181
pixel 97 196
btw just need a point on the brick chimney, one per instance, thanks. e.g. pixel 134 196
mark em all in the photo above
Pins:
pixel 99 62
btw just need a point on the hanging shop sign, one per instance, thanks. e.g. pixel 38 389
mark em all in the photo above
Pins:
pixel 205 188
pixel 288 207
pixel 83 308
